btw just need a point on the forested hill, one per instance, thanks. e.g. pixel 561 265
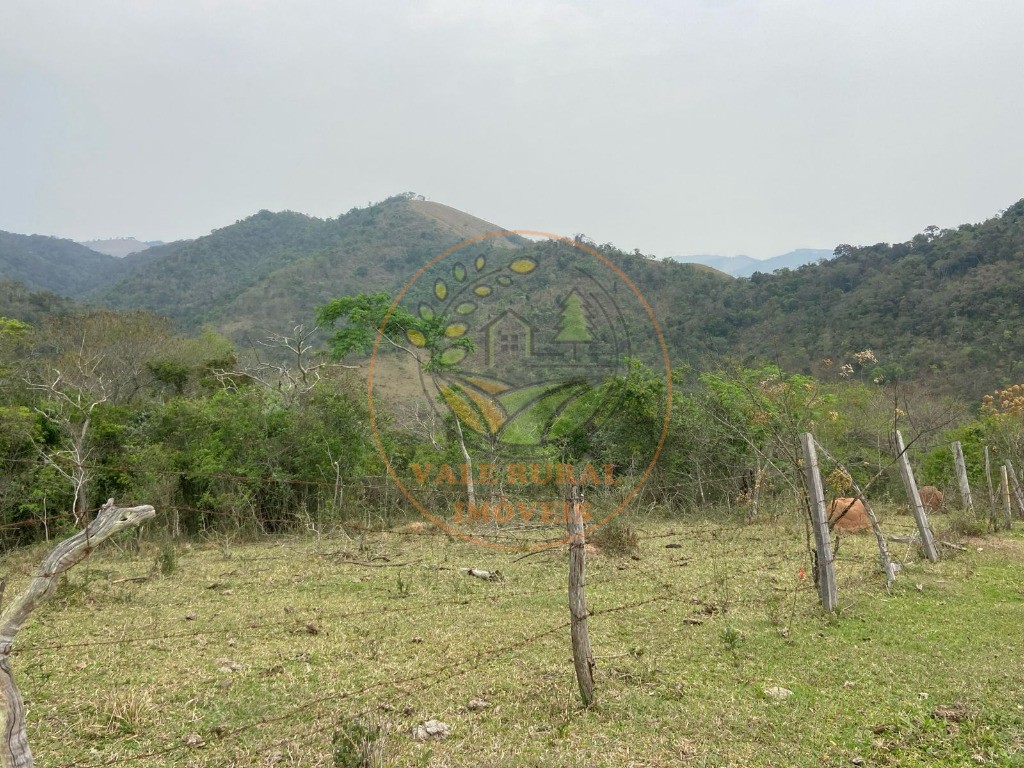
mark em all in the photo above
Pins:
pixel 271 270
pixel 52 264
pixel 947 305
pixel 33 307
pixel 945 308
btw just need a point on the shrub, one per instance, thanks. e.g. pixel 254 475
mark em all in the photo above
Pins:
pixel 616 538
pixel 963 523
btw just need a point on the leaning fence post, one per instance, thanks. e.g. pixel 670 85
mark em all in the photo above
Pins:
pixel 1005 485
pixel 582 658
pixel 1017 492
pixel 14 749
pixel 920 517
pixel 883 550
pixel 961 476
pixel 825 575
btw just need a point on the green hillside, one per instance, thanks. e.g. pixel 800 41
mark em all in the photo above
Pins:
pixel 271 270
pixel 32 307
pixel 946 306
pixel 52 264
pixel 943 307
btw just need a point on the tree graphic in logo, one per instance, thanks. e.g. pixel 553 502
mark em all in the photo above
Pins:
pixel 574 327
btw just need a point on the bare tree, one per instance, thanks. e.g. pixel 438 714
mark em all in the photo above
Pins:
pixel 71 409
pixel 294 379
pixel 78 364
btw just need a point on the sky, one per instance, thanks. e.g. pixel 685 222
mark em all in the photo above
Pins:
pixel 678 127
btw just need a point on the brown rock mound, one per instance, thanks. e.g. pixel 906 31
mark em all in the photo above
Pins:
pixel 855 519
pixel 931 497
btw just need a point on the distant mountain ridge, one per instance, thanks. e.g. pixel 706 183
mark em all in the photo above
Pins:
pixel 745 266
pixel 119 247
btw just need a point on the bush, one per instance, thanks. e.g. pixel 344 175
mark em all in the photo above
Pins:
pixel 616 538
pixel 964 523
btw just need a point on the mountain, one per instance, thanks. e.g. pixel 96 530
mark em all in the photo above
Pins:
pixel 271 270
pixel 119 246
pixel 745 266
pixel 729 265
pixel 944 306
pixel 52 264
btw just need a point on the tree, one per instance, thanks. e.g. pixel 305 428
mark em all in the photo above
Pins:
pixel 761 410
pixel 367 316
pixel 80 363
pixel 294 379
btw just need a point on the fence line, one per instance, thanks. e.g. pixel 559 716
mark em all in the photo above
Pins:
pixel 255 623
pixel 436 674
pixel 742 533
pixel 724 540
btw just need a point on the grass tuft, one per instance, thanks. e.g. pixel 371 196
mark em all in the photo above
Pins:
pixel 358 745
pixel 166 561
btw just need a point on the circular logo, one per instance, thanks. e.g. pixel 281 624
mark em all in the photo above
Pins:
pixel 527 354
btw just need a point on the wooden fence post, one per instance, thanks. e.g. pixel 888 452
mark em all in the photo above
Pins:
pixel 991 492
pixel 14 749
pixel 1017 492
pixel 1005 484
pixel 582 657
pixel 755 493
pixel 883 550
pixel 920 517
pixel 825 575
pixel 961 476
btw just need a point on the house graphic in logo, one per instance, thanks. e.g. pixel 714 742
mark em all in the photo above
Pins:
pixel 508 338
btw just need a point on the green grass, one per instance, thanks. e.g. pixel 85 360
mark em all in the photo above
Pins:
pixel 528 426
pixel 286 644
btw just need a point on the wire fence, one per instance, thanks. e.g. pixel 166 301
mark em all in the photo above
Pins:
pixel 379 499
pixel 654 582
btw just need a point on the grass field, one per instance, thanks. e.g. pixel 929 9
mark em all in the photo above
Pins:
pixel 268 653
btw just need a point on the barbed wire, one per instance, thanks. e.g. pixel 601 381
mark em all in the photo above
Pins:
pixel 435 674
pixel 717 540
pixel 426 680
pixel 260 623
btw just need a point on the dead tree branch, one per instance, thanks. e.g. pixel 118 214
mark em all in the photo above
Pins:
pixel 14 749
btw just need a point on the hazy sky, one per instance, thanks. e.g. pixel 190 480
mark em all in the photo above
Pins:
pixel 677 127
